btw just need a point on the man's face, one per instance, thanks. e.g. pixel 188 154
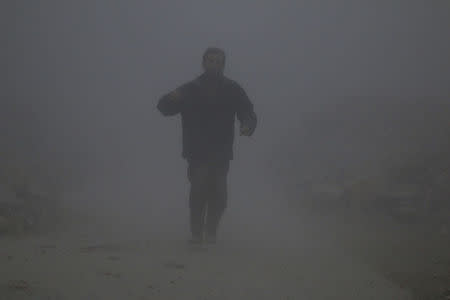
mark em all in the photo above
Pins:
pixel 214 63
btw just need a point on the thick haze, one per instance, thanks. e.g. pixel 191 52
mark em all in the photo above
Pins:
pixel 334 83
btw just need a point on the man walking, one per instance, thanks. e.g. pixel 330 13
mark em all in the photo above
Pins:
pixel 209 105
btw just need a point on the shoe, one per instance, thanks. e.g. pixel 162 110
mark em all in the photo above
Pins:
pixel 211 239
pixel 195 240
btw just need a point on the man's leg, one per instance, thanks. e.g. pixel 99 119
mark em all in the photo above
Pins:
pixel 198 196
pixel 217 201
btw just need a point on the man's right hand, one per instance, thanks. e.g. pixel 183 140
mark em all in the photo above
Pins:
pixel 171 103
pixel 175 95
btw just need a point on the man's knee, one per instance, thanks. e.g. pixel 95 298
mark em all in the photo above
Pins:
pixel 218 199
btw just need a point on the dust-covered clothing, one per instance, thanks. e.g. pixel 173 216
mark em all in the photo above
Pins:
pixel 208 109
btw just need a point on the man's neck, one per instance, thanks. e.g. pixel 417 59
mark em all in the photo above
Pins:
pixel 211 77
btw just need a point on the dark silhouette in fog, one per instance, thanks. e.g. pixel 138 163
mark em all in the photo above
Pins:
pixel 349 165
pixel 208 106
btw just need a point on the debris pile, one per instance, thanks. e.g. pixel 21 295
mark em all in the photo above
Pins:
pixel 22 208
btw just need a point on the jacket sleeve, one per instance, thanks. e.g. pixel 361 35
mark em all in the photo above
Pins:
pixel 169 106
pixel 244 110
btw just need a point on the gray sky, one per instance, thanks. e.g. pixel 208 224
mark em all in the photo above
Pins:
pixel 83 78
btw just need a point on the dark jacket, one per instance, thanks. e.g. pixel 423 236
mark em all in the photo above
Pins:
pixel 208 111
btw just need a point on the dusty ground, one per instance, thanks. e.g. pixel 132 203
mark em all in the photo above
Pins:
pixel 326 258
pixel 412 255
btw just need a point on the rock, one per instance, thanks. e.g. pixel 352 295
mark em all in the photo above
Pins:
pixel 114 258
pixel 174 265
pixel 3 223
pixel 21 285
pixel 444 230
pixel 12 225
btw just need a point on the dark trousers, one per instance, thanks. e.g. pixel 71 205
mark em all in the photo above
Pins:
pixel 208 195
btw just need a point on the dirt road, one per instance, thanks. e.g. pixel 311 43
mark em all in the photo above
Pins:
pixel 88 263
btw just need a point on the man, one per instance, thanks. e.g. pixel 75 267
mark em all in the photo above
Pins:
pixel 209 106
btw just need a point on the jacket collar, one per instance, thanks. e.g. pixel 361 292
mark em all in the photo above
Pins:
pixel 207 79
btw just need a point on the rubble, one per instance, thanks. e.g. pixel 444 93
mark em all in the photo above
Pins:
pixel 406 193
pixel 22 209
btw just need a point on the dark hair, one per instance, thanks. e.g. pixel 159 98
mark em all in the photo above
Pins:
pixel 214 50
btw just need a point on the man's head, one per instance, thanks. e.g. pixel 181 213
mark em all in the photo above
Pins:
pixel 214 61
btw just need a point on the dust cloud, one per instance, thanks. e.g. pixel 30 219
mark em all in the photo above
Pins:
pixel 341 91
